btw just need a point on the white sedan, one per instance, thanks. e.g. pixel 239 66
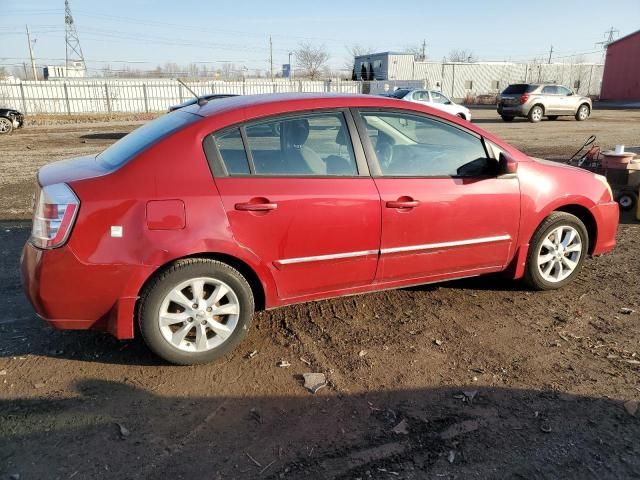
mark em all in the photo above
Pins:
pixel 433 99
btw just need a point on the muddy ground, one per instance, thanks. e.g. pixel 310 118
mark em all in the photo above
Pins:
pixel 469 379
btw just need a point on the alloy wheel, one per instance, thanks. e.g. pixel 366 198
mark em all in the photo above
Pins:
pixel 536 114
pixel 583 113
pixel 5 125
pixel 559 254
pixel 199 314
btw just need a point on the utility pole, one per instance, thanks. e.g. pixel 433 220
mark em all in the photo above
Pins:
pixel 271 57
pixel 423 57
pixel 550 53
pixel 33 63
pixel 290 68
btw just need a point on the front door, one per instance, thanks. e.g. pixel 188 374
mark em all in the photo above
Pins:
pixel 445 212
pixel 299 196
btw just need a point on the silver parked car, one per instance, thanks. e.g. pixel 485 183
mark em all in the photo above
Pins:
pixel 544 100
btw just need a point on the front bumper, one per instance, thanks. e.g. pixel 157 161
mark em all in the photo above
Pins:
pixel 607 216
pixel 71 295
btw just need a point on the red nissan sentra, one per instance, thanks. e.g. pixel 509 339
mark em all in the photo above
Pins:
pixel 193 221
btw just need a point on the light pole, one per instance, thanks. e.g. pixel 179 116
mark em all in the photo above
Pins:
pixel 290 68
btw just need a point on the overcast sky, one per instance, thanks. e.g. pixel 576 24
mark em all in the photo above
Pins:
pixel 156 32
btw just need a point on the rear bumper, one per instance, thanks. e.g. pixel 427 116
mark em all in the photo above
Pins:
pixel 71 295
pixel 607 216
pixel 513 110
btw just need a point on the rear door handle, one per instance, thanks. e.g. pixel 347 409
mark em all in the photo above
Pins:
pixel 403 204
pixel 256 207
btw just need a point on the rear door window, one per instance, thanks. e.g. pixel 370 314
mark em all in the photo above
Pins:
pixel 519 89
pixel 311 144
pixel 232 151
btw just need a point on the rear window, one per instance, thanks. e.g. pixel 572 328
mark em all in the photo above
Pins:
pixel 519 89
pixel 143 137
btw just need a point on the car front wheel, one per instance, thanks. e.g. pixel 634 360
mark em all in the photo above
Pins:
pixel 195 311
pixel 583 113
pixel 507 118
pixel 556 251
pixel 5 125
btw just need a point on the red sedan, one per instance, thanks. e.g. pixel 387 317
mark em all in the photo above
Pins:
pixel 193 221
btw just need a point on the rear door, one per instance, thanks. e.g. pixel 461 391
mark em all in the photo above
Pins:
pixel 445 212
pixel 298 194
pixel 552 101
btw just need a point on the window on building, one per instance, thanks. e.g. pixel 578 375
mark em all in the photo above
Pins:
pixel 576 84
pixel 495 84
pixel 468 84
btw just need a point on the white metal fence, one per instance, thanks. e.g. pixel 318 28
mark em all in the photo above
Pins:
pixel 456 80
pixel 136 96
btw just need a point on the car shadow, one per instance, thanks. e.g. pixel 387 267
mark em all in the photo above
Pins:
pixel 114 429
pixel 103 136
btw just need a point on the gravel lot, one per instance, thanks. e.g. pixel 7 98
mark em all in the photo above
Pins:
pixel 469 379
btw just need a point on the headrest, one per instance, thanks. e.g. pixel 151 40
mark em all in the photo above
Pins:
pixel 341 137
pixel 296 132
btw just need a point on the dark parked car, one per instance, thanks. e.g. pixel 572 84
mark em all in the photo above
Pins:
pixel 193 101
pixel 10 119
pixel 188 224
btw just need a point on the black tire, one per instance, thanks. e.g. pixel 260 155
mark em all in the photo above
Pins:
pixel 536 113
pixel 552 117
pixel 461 115
pixel 532 275
pixel 627 200
pixel 579 113
pixel 507 118
pixel 6 126
pixel 166 280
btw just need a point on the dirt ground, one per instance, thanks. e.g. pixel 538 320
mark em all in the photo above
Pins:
pixel 478 378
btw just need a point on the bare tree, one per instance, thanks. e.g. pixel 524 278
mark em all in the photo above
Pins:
pixel 355 50
pixel 463 56
pixel 418 51
pixel 310 60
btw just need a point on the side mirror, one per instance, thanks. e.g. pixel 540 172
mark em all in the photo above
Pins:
pixel 507 165
pixel 569 94
pixel 448 102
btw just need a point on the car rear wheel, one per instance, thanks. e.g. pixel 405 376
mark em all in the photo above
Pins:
pixel 552 117
pixel 461 115
pixel 535 114
pixel 195 311
pixel 5 125
pixel 556 251
pixel 507 118
pixel 583 112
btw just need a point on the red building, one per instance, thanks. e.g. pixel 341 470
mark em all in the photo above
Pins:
pixel 621 79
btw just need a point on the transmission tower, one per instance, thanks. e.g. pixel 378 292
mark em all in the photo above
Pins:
pixel 610 34
pixel 74 50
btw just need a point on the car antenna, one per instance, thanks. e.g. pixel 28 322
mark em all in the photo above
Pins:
pixel 201 101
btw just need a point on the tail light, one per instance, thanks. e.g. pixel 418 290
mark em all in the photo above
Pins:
pixel 55 209
pixel 523 98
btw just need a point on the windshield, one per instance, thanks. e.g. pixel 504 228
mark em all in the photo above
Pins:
pixel 143 137
pixel 400 93
pixel 519 89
